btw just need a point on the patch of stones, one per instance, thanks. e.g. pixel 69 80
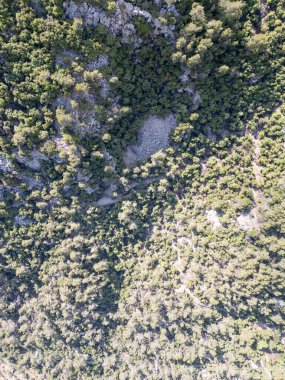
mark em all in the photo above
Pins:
pixel 152 137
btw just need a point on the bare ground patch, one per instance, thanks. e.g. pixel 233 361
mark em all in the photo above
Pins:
pixel 152 137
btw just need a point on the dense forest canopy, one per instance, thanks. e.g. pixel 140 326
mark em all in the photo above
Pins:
pixel 142 189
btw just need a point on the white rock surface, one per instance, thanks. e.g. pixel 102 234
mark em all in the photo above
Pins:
pixel 5 165
pixel 213 218
pixel 247 222
pixel 184 77
pixel 105 201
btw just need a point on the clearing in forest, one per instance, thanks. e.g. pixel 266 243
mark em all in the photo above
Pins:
pixel 152 137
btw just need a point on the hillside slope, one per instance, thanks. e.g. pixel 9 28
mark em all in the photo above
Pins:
pixel 142 182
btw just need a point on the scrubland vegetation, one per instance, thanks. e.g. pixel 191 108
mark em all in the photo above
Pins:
pixel 182 277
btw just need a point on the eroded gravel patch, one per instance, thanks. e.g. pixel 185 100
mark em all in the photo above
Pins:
pixel 152 137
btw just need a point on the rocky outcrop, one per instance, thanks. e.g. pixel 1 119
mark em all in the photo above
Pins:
pixel 78 110
pixel 185 78
pixel 119 22
pixel 34 161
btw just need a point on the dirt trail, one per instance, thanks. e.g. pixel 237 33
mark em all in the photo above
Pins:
pixel 264 10
pixel 106 201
